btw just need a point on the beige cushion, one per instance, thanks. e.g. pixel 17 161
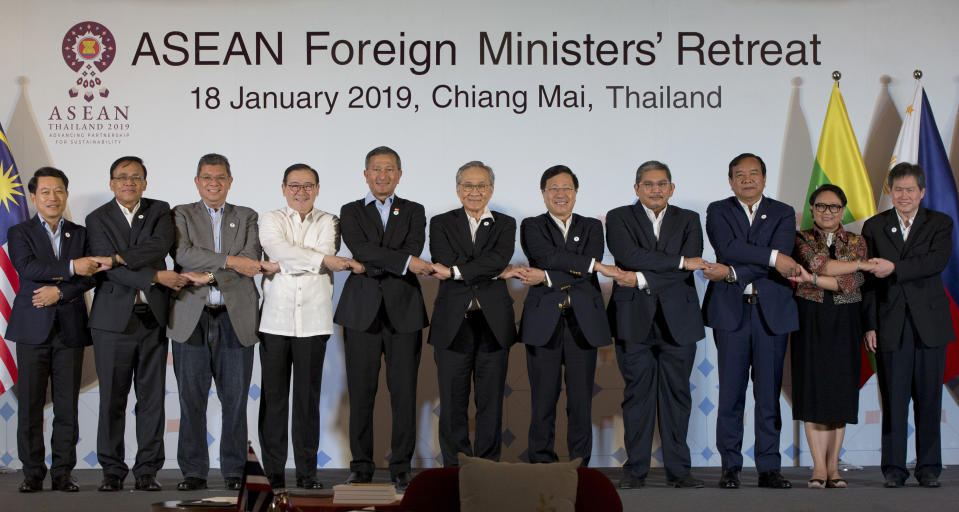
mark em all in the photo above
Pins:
pixel 506 487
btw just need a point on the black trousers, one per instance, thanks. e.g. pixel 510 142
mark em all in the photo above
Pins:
pixel 656 373
pixel 363 350
pixel 474 357
pixel 36 365
pixel 136 356
pixel 914 371
pixel 567 346
pixel 278 355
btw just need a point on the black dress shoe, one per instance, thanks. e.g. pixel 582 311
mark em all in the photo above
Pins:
pixel 631 482
pixel 894 481
pixel 64 483
pixel 308 483
pixel 929 481
pixel 730 479
pixel 232 483
pixel 191 483
pixel 31 484
pixel 359 477
pixel 148 483
pixel 774 480
pixel 401 480
pixel 110 484
pixel 278 481
pixel 686 482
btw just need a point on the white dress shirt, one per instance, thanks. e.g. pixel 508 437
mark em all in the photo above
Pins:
pixel 904 226
pixel 564 228
pixel 298 300
pixel 751 215
pixel 141 298
pixel 657 221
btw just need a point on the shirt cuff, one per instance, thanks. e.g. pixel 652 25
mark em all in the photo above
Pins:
pixel 71 267
pixel 641 281
pixel 592 263
pixel 772 257
pixel 682 260
pixel 407 265
pixel 456 274
pixel 733 272
pixel 550 282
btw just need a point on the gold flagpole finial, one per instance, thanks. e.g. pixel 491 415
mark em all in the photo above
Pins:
pixel 836 75
pixel 917 74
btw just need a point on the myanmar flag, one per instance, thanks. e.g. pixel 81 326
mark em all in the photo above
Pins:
pixel 839 161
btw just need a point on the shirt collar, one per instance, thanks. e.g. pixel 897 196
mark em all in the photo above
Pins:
pixel 840 233
pixel 651 215
pixel 132 211
pixel 745 207
pixel 912 220
pixel 487 214
pixel 211 211
pixel 566 225
pixel 290 212
pixel 386 202
pixel 47 226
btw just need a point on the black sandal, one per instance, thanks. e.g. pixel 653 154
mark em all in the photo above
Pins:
pixel 834 483
pixel 816 483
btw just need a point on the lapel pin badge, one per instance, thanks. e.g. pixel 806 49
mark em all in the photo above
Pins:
pixel 140 216
pixel 66 235
pixel 232 225
pixel 894 230
pixel 576 239
pixel 763 216
pixel 396 211
pixel 486 223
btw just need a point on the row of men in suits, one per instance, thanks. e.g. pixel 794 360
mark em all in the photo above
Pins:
pixel 653 316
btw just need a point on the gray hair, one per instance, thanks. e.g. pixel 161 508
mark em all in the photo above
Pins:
pixel 652 165
pixel 476 163
pixel 213 159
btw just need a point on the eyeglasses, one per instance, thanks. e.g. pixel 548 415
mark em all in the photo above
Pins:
pixel 822 207
pixel 649 185
pixel 136 178
pixel 482 188
pixel 557 190
pixel 296 187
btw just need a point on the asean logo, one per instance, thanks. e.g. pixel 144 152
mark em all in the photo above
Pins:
pixel 89 48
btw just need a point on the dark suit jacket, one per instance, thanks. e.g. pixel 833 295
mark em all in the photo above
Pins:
pixel 567 264
pixel 384 253
pixel 917 280
pixel 479 263
pixel 33 259
pixel 631 240
pixel 194 252
pixel 144 247
pixel 747 248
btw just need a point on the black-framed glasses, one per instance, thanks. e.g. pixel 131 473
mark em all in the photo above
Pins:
pixel 822 207
pixel 306 187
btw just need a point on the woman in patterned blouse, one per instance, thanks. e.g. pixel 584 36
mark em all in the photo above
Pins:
pixel 825 351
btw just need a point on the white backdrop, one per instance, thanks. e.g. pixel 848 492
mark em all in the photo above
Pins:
pixel 774 110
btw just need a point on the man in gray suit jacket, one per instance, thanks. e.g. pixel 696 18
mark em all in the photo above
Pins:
pixel 214 322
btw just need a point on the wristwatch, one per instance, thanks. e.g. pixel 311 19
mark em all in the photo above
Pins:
pixel 731 276
pixel 212 278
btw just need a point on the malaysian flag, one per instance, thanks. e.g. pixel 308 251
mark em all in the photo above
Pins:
pixel 256 494
pixel 13 210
